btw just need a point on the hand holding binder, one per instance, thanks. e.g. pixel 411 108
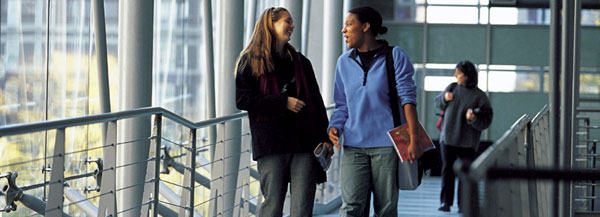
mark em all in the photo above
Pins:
pixel 401 140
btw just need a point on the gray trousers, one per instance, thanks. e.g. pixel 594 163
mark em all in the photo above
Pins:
pixel 366 170
pixel 276 171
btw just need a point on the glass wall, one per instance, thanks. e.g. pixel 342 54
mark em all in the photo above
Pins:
pixel 499 78
pixel 471 12
pixel 48 71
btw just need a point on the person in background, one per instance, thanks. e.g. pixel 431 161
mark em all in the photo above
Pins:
pixel 277 86
pixel 363 115
pixel 467 113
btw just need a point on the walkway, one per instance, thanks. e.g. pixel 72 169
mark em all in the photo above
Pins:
pixel 420 203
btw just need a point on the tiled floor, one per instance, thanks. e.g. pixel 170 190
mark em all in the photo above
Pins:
pixel 422 202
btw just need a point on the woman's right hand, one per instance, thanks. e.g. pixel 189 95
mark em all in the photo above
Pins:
pixel 333 136
pixel 449 96
pixel 294 104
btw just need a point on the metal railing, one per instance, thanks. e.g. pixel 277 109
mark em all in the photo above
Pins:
pixel 198 180
pixel 586 194
pixel 517 173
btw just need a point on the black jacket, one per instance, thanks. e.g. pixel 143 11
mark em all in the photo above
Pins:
pixel 456 129
pixel 282 131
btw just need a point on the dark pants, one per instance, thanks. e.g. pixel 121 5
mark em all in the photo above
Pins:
pixel 449 156
pixel 276 171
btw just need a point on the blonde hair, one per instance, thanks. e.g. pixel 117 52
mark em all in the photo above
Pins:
pixel 259 49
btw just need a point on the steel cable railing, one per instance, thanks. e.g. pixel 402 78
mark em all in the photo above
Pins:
pixel 184 146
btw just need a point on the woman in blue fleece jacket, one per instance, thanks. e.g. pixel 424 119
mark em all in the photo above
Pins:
pixel 363 115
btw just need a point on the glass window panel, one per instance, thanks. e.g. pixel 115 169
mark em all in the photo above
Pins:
pixel 515 79
pixel 483 15
pixel 28 11
pixel 168 55
pixel 194 15
pixel 528 82
pixel 111 11
pixel 589 81
pixel 3 12
pixel 501 78
pixel 24 154
pixel 590 17
pixel 514 16
pixel 22 70
pixel 405 13
pixel 420 14
pixel 500 15
pixel 438 83
pixel 192 60
pixel 179 56
pixel 452 14
pixel 453 2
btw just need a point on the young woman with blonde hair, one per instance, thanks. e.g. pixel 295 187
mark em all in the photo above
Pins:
pixel 277 86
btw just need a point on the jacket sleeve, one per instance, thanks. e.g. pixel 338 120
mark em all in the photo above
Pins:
pixel 320 112
pixel 248 97
pixel 484 118
pixel 439 99
pixel 340 112
pixel 407 90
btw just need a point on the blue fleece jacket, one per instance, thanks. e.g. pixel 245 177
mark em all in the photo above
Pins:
pixel 362 113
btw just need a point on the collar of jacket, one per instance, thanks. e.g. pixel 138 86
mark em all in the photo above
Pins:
pixel 380 50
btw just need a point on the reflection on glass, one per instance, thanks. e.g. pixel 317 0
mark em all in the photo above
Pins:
pixel 452 14
pixel 500 78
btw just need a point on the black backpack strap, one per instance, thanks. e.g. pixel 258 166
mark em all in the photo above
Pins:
pixel 393 92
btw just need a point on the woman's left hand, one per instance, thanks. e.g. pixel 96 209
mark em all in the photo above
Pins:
pixel 470 115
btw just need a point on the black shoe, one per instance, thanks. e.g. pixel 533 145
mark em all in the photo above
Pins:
pixel 444 208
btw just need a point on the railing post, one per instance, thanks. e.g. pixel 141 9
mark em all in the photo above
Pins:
pixel 54 206
pixel 187 197
pixel 530 162
pixel 192 174
pixel 108 202
pixel 244 171
pixel 216 171
pixel 594 146
pixel 469 193
pixel 153 170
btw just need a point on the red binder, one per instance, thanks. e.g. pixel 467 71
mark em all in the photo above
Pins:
pixel 401 139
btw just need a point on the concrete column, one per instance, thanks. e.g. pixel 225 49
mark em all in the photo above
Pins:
pixel 231 33
pixel 347 7
pixel 207 38
pixel 135 70
pixel 332 45
pixel 305 22
pixel 250 20
pixel 295 8
pixel 100 36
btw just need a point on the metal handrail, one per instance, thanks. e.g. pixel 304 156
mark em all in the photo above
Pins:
pixel 9 130
pixel 32 127
pixel 540 115
pixel 15 129
pixel 480 166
